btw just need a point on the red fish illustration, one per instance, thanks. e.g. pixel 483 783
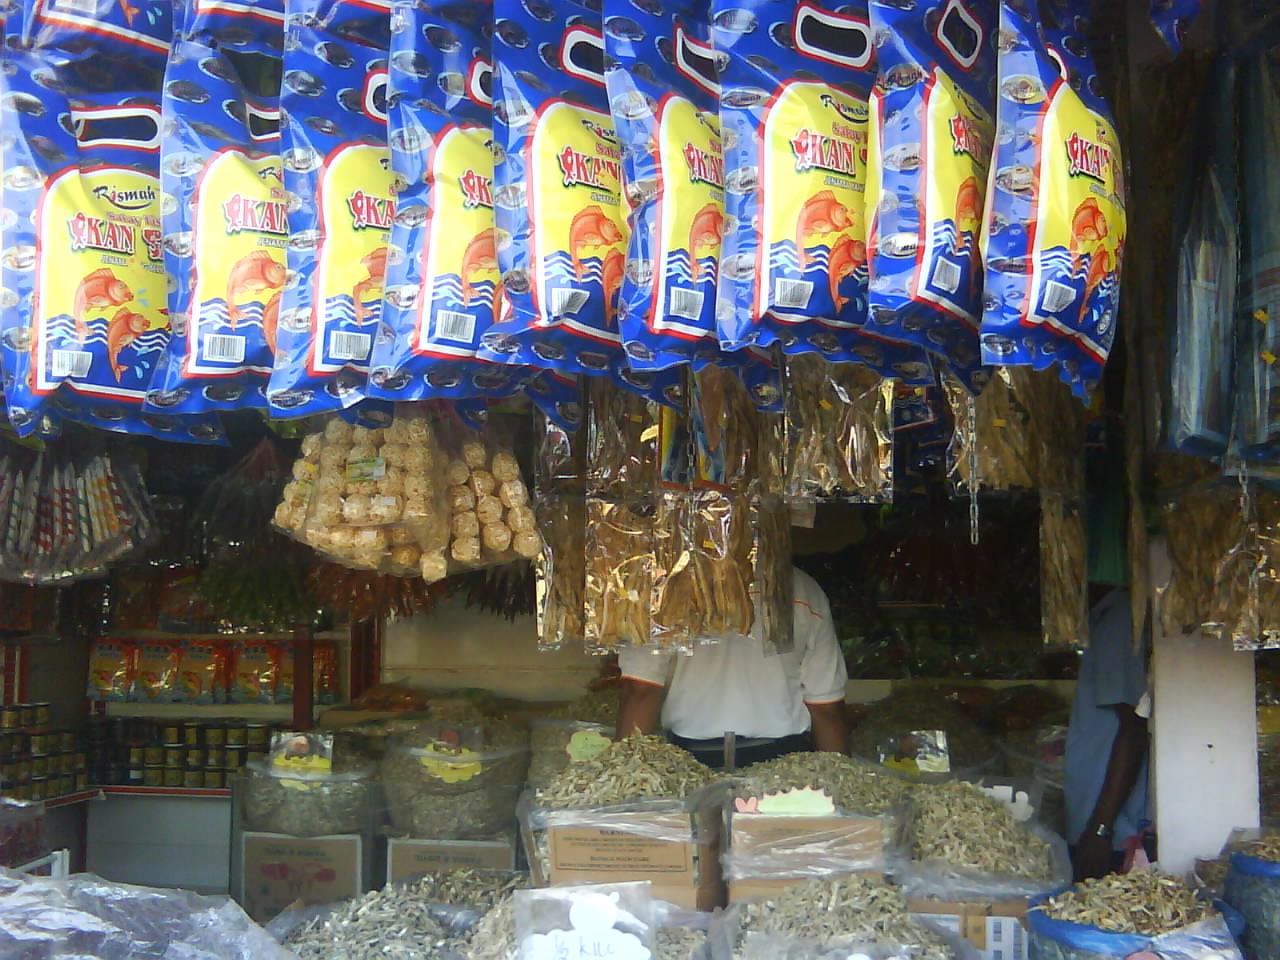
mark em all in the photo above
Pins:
pixel 1088 225
pixel 98 289
pixel 271 320
pixel 375 264
pixel 1099 269
pixel 821 214
pixel 611 279
pixel 125 327
pixel 707 230
pixel 968 210
pixel 252 273
pixel 129 11
pixel 847 255
pixel 591 227
pixel 481 254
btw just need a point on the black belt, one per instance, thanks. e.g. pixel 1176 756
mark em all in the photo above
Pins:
pixel 746 750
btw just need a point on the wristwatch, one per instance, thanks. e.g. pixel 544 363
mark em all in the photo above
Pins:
pixel 1102 830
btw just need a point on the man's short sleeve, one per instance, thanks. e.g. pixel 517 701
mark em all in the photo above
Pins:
pixel 1117 664
pixel 646 666
pixel 823 676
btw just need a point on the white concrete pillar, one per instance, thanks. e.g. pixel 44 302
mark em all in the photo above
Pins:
pixel 1204 769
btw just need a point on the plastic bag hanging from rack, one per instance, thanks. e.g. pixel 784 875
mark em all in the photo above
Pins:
pixel 1247 579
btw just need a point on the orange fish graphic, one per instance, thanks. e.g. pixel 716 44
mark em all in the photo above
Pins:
pixel 125 327
pixel 590 227
pixel 98 289
pixel 707 230
pixel 129 11
pixel 252 273
pixel 847 255
pixel 821 214
pixel 271 320
pixel 1088 225
pixel 481 254
pixel 375 264
pixel 611 279
pixel 968 210
pixel 1099 270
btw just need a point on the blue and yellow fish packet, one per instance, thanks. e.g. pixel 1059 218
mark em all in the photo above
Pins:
pixel 793 114
pixel 226 224
pixel 1053 238
pixel 85 290
pixel 1172 20
pixel 557 190
pixel 932 127
pixel 321 324
pixel 443 287
pixel 109 38
pixel 664 96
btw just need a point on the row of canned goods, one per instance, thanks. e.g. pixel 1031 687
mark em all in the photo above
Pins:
pixel 15 716
pixel 153 732
pixel 45 787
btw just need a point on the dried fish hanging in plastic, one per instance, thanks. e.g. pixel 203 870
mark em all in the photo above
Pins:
pixel 839 431
pixel 774 581
pixel 1064 572
pixel 1246 586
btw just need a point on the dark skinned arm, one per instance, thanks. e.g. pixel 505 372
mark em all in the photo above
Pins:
pixel 1093 853
pixel 640 709
pixel 830 727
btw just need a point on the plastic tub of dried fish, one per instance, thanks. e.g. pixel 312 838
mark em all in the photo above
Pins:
pixel 440 790
pixel 305 804
pixel 855 913
pixel 1119 916
pixel 855 818
pixel 574 731
pixel 1253 888
pixel 966 845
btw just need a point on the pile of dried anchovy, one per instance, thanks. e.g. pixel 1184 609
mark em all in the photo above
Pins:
pixel 960 825
pixel 1265 849
pixel 1257 897
pixel 305 807
pixel 681 943
pixel 922 707
pixel 635 768
pixel 844 910
pixel 390 923
pixel 549 736
pixel 855 787
pixel 1148 904
pixel 483 889
pixel 493 938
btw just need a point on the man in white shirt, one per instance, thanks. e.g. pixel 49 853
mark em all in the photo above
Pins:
pixel 775 703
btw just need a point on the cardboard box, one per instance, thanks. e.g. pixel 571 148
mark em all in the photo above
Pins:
pixel 855 840
pixel 279 870
pixel 409 858
pixel 685 872
pixel 996 930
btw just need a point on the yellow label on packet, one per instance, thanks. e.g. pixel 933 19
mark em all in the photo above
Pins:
pixel 585 744
pixel 813 214
pixel 101 286
pixel 576 215
pixel 460 280
pixel 241 227
pixel 450 765
pixel 356 205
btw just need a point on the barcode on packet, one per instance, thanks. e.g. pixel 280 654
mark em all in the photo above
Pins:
pixel 567 301
pixel 1057 296
pixel 685 303
pixel 86 7
pixel 349 346
pixel 224 348
pixel 792 293
pixel 71 363
pixel 946 276
pixel 456 326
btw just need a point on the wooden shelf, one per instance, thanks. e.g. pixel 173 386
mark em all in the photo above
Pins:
pixel 199 793
pixel 82 796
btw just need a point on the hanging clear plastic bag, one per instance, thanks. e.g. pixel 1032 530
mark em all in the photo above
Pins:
pixel 560 600
pixel 1064 574
pixel 620 572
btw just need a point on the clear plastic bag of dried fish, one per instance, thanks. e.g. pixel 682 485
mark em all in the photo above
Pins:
pixel 852 913
pixel 968 845
pixel 456 781
pixel 863 830
pixel 1119 916
pixel 560 571
pixel 971 751
pixel 621 446
pixel 619 578
pixel 571 733
pixel 303 803
pixel 839 431
pixel 1253 888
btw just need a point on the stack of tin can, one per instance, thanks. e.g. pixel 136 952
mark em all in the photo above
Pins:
pixel 38 761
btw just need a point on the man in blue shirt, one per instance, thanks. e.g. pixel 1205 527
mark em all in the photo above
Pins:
pixel 1106 755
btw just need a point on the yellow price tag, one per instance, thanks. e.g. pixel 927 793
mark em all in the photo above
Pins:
pixel 1261 315
pixel 1000 422
pixel 824 403
pixel 649 434
pixel 585 744
pixel 1268 357
pixel 449 765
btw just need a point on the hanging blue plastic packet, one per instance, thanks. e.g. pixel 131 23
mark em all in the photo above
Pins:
pixel 664 95
pixel 86 316
pixel 931 129
pixel 226 225
pixel 1172 20
pixel 557 190
pixel 1053 237
pixel 443 285
pixel 793 111
pixel 337 175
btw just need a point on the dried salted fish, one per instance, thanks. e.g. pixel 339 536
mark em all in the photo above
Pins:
pixel 561 571
pixel 921 707
pixel 392 923
pixel 1148 904
pixel 681 943
pixel 839 911
pixel 619 578
pixel 959 825
pixel 1064 573
pixel 493 938
pixel 634 768
pixel 483 889
pixel 577 726
pixel 855 787
pixel 306 805
pixel 1256 895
